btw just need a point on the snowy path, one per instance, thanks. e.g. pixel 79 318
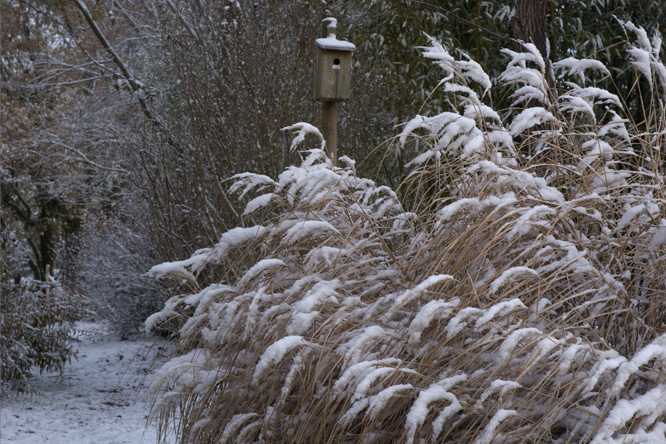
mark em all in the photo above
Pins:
pixel 101 398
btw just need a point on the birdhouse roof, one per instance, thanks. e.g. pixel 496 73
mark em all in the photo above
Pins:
pixel 331 42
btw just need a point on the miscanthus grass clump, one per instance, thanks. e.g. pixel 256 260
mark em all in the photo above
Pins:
pixel 511 290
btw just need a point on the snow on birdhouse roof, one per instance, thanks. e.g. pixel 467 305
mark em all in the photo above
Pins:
pixel 331 42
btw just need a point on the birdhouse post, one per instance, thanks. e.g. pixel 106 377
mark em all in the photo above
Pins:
pixel 332 81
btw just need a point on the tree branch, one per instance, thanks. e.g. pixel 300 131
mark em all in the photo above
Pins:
pixel 136 87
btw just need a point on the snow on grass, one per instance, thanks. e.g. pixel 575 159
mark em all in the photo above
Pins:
pixel 469 69
pixel 628 216
pixel 426 315
pixel 436 392
pixel 312 228
pixel 511 270
pixel 497 386
pixel 490 431
pixel 275 353
pixel 529 118
pixel 302 130
pixel 514 338
pixel 508 275
pixel 658 239
pixel 100 398
pixel 416 292
pixel 576 67
pixel 650 406
pixel 655 350
pixel 499 309
pixel 257 203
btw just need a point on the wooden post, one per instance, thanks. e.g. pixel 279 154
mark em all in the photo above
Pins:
pixel 332 81
pixel 329 117
pixel 49 279
pixel 329 110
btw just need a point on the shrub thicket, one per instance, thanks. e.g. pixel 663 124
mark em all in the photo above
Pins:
pixel 511 290
pixel 36 320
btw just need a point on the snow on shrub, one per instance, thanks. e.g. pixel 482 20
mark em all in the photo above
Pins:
pixel 514 293
pixel 36 320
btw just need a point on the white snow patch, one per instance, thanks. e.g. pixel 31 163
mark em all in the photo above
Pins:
pixel 100 397
pixel 275 353
pixel 490 431
pixel 257 203
pixel 509 275
pixel 419 410
pixel 308 228
pixel 497 385
pixel 629 216
pixel 576 67
pixel 302 129
pixel 658 239
pixel 529 118
pixel 499 309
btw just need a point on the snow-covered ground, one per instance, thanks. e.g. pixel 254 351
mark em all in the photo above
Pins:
pixel 101 397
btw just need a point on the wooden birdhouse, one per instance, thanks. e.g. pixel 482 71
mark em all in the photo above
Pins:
pixel 333 60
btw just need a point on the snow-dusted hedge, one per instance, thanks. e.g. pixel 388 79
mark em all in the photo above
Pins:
pixel 36 320
pixel 512 290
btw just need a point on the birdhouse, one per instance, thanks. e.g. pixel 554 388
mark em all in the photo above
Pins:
pixel 333 59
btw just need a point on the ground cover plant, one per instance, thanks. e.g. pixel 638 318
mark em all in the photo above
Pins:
pixel 511 290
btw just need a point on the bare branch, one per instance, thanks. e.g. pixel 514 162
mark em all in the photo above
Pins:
pixel 136 87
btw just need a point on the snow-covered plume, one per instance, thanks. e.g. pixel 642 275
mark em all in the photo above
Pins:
pixel 468 69
pixel 574 67
pixel 645 54
pixel 303 129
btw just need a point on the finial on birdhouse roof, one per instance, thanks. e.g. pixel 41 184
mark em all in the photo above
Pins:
pixel 331 26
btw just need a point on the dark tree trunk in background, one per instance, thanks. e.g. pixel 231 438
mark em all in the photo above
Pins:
pixel 529 25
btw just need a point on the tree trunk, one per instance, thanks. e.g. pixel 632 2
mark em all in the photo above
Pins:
pixel 529 25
